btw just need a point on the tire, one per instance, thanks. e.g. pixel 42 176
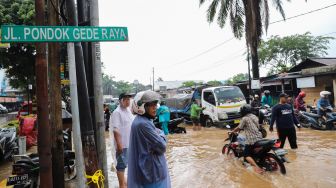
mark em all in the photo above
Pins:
pixel 208 122
pixel 228 152
pixel 272 160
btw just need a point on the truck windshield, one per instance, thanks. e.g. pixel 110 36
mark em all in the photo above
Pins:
pixel 229 95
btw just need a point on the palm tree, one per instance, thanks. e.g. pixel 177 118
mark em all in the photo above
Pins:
pixel 251 15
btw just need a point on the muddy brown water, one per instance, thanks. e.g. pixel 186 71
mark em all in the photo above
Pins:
pixel 195 161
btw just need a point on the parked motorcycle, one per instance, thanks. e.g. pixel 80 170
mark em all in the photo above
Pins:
pixel 269 161
pixel 26 167
pixel 316 121
pixel 265 114
pixel 8 143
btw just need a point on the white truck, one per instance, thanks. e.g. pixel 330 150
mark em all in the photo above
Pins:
pixel 222 105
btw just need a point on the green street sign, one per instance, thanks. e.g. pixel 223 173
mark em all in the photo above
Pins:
pixel 20 33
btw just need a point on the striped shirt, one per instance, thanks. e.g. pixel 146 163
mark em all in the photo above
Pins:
pixel 250 125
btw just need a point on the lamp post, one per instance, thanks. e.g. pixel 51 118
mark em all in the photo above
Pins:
pixel 136 83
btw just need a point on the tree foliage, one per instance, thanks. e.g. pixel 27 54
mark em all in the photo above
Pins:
pixel 19 59
pixel 115 88
pixel 245 16
pixel 279 54
pixel 215 83
pixel 189 84
pixel 237 78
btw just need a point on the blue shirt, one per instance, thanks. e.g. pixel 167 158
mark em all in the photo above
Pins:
pixel 147 163
pixel 284 117
pixel 322 103
pixel 163 113
pixel 266 100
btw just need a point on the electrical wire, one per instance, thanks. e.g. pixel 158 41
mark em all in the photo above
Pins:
pixel 222 43
pixel 304 13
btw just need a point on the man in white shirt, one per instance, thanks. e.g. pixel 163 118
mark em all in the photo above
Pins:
pixel 121 121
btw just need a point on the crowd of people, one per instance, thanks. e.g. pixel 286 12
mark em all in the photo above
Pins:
pixel 141 147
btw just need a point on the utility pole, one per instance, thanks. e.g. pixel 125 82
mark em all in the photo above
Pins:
pixel 44 145
pixel 56 124
pixel 89 145
pixel 249 74
pixel 98 94
pixel 153 80
pixel 80 166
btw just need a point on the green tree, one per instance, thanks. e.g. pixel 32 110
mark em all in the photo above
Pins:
pixel 215 83
pixel 19 59
pixel 249 16
pixel 188 84
pixel 237 78
pixel 279 54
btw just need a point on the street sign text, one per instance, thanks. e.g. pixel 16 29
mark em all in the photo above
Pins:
pixel 12 33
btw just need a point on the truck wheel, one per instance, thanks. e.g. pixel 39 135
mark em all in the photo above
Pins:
pixel 208 122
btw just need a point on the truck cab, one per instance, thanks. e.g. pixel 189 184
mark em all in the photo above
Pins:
pixel 222 105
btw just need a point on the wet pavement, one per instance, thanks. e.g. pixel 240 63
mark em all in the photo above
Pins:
pixel 195 161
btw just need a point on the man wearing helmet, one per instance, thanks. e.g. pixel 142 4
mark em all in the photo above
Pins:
pixel 266 98
pixel 147 163
pixel 121 121
pixel 250 125
pixel 299 102
pixel 323 103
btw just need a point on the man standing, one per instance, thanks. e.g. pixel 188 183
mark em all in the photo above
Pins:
pixel 285 119
pixel 147 162
pixel 164 117
pixel 195 114
pixel 121 121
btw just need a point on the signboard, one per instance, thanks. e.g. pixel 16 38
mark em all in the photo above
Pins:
pixel 255 84
pixel 17 180
pixel 306 82
pixel 20 33
pixel 3 45
pixel 65 82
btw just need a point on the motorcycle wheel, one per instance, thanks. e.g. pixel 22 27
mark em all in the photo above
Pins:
pixel 274 163
pixel 228 152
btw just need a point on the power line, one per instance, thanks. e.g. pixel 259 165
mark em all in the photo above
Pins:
pixel 303 14
pixel 222 43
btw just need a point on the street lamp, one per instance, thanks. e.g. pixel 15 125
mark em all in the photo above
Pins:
pixel 136 83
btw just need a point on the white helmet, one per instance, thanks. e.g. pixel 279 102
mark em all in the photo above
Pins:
pixel 141 98
pixel 324 93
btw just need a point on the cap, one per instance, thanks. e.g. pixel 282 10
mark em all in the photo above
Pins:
pixel 123 95
pixel 283 95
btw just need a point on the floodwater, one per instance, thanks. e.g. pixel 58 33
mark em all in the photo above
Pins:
pixel 195 161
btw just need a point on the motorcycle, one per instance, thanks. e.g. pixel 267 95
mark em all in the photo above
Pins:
pixel 26 167
pixel 316 121
pixel 272 162
pixel 8 143
pixel 264 114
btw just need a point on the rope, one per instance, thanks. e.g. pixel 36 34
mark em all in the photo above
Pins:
pixel 97 178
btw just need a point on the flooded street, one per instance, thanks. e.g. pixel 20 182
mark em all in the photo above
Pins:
pixel 195 160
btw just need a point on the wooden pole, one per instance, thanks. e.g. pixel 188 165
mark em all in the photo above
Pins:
pixel 56 125
pixel 44 145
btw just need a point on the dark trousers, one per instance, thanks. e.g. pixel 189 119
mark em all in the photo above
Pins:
pixel 290 134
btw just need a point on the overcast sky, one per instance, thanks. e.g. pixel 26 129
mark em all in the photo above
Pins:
pixel 165 33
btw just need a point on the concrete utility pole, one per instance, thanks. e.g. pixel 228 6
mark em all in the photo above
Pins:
pixel 89 146
pixel 56 125
pixel 153 80
pixel 80 166
pixel 98 94
pixel 44 145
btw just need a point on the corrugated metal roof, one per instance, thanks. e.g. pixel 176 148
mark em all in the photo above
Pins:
pixel 325 61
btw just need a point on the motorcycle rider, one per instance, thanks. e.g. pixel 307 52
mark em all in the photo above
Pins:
pixel 323 104
pixel 299 102
pixel 283 115
pixel 266 98
pixel 250 125
pixel 256 101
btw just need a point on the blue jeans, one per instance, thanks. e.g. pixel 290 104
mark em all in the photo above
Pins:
pixel 122 160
